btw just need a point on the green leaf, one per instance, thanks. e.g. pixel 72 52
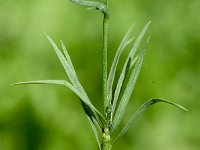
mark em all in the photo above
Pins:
pixel 72 71
pixel 83 98
pixel 118 88
pixel 129 89
pixel 64 62
pixel 111 76
pixel 68 59
pixel 60 82
pixel 88 111
pixel 68 67
pixel 91 115
pixel 141 110
pixel 127 67
pixel 76 87
pixel 139 40
pixel 95 132
pixel 98 5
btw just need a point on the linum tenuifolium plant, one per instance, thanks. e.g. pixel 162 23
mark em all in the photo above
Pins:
pixel 115 100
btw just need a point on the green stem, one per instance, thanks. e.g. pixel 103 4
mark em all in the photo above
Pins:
pixel 105 46
pixel 106 142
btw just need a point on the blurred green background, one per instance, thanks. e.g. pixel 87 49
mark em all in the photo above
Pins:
pixel 51 118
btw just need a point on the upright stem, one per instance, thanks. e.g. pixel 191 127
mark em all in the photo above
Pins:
pixel 105 47
pixel 106 140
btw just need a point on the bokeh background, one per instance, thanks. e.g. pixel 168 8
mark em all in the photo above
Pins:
pixel 50 117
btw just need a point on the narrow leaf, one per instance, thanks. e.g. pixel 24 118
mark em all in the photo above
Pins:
pixel 129 89
pixel 83 99
pixel 88 111
pixel 141 110
pixel 68 57
pixel 60 82
pixel 126 65
pixel 72 72
pixel 111 76
pixel 90 115
pixel 114 102
pixel 55 82
pixel 64 62
pixel 95 132
pixel 69 69
pixel 67 64
pixel 77 84
pixel 139 40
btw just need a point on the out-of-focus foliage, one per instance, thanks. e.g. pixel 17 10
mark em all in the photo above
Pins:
pixel 51 118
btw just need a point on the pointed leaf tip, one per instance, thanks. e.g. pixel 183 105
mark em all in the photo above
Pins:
pixel 129 88
pixel 127 67
pixel 124 43
pixel 142 109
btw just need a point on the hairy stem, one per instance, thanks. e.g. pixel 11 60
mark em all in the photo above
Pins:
pixel 106 140
pixel 105 46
